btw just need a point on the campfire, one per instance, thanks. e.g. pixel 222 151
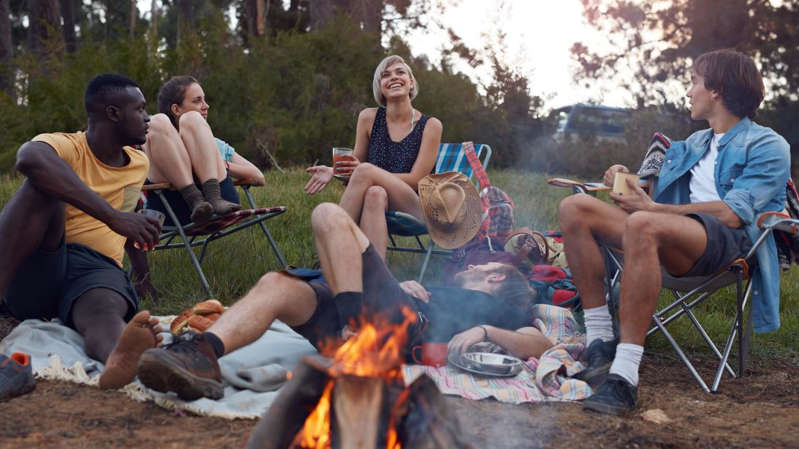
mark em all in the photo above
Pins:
pixel 354 396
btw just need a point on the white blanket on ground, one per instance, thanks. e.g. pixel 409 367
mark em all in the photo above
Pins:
pixel 57 353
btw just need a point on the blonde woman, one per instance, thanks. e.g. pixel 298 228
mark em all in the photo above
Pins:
pixel 395 147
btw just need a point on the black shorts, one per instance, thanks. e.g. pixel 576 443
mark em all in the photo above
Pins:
pixel 48 283
pixel 724 246
pixel 179 206
pixel 381 294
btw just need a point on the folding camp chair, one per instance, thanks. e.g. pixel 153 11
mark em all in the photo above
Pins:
pixel 451 157
pixel 689 292
pixel 193 234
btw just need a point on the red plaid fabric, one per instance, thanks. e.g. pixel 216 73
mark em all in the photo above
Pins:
pixel 497 205
pixel 231 219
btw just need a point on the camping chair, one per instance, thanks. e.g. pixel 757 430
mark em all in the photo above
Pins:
pixel 193 234
pixel 690 292
pixel 451 157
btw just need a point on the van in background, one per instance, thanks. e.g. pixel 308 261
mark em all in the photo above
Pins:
pixel 587 121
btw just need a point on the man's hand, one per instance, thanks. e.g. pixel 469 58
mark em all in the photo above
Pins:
pixel 610 173
pixel 138 228
pixel 462 341
pixel 638 200
pixel 416 290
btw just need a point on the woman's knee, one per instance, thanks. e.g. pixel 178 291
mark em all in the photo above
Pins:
pixel 192 121
pixel 376 197
pixel 160 126
pixel 364 173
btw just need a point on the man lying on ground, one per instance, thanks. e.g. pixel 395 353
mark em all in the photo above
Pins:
pixel 700 218
pixel 64 230
pixel 355 279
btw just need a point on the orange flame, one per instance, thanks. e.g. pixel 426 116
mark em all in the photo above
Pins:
pixel 375 351
pixel 316 430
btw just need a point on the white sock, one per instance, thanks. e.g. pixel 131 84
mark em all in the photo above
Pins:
pixel 598 324
pixel 628 358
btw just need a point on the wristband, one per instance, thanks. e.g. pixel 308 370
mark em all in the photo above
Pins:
pixel 485 332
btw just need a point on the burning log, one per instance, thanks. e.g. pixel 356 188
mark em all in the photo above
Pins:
pixel 280 424
pixel 357 400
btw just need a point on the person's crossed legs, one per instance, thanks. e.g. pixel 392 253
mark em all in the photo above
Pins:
pixel 648 240
pixel 369 192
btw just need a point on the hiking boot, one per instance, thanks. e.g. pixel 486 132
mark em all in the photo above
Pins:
pixel 16 375
pixel 188 367
pixel 599 356
pixel 615 396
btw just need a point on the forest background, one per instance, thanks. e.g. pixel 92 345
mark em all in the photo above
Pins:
pixel 286 79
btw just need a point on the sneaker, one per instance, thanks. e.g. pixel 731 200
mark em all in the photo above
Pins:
pixel 599 357
pixel 188 367
pixel 615 396
pixel 16 375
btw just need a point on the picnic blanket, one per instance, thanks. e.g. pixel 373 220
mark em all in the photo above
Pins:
pixel 547 378
pixel 252 374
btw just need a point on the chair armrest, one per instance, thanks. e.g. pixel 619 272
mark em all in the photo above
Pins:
pixel 779 221
pixel 159 186
pixel 577 186
pixel 246 182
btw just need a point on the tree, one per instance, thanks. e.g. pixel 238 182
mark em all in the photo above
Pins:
pixel 68 16
pixel 659 40
pixel 6 49
pixel 45 26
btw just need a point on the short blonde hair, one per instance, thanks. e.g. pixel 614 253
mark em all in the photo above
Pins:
pixel 384 64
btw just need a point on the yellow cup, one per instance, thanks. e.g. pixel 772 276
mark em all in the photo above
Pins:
pixel 620 186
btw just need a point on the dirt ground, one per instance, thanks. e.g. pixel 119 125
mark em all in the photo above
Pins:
pixel 760 410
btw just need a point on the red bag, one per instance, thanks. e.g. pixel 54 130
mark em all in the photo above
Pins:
pixel 497 220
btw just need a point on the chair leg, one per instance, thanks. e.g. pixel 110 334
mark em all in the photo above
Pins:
pixel 426 260
pixel 736 329
pixel 680 353
pixel 187 244
pixel 265 230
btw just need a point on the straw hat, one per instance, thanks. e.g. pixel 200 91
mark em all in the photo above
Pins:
pixel 452 209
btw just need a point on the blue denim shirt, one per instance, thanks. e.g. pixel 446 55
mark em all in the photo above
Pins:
pixel 752 168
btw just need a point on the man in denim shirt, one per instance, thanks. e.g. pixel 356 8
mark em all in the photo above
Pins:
pixel 701 217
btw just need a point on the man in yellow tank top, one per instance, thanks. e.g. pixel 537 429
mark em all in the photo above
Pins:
pixel 64 231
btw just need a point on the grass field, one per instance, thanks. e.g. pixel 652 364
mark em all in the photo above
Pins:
pixel 235 263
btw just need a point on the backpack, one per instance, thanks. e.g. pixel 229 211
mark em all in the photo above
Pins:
pixel 497 221
pixel 788 244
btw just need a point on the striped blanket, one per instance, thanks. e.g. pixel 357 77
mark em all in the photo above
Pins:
pixel 549 378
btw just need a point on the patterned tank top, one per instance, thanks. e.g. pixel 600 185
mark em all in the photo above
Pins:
pixel 394 157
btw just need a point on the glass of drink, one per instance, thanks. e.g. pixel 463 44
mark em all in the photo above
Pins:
pixel 341 154
pixel 152 214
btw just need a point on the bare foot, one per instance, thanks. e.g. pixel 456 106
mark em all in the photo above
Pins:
pixel 139 335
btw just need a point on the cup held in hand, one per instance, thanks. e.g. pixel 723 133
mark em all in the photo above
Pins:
pixel 620 186
pixel 341 154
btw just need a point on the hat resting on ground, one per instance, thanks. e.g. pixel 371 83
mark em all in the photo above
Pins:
pixel 451 207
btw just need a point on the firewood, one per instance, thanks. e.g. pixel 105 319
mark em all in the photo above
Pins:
pixel 357 407
pixel 280 424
